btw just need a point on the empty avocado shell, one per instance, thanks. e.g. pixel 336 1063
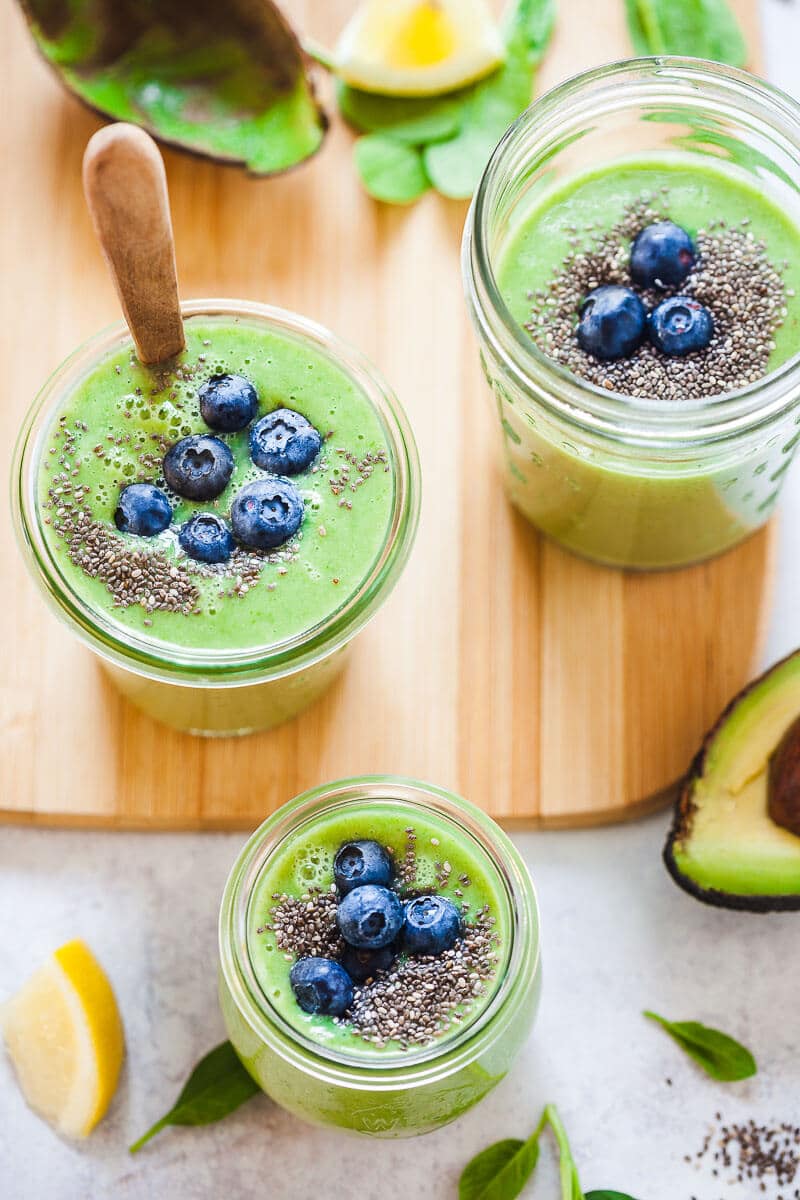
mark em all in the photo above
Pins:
pixel 226 80
pixel 735 839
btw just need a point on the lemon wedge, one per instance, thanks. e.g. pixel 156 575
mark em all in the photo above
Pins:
pixel 64 1036
pixel 418 47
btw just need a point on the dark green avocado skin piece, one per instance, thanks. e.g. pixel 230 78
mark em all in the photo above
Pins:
pixel 684 809
pixel 226 81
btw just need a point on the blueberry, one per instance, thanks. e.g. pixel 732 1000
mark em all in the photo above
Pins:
pixel 198 467
pixel 321 985
pixel 432 924
pixel 142 508
pixel 228 403
pixel 369 917
pixel 680 325
pixel 362 965
pixel 357 863
pixel 206 537
pixel 284 442
pixel 662 255
pixel 266 513
pixel 612 322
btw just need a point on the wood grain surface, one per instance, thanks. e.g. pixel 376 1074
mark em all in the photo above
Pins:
pixel 547 690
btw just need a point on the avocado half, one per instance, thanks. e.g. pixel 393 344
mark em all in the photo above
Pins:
pixel 724 847
pixel 224 79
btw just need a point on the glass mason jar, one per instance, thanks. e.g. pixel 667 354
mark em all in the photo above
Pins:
pixel 632 482
pixel 390 1093
pixel 218 692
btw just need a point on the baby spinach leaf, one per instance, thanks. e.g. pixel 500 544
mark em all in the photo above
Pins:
pixel 405 118
pixel 218 1085
pixel 568 1171
pixel 391 171
pixel 454 133
pixel 501 1171
pixel 605 1194
pixel 643 32
pixel 455 166
pixel 224 80
pixel 700 28
pixel 719 1055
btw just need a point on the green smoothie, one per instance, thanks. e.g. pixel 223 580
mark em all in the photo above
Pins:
pixel 307 862
pixel 456 1019
pixel 611 502
pixel 114 429
pixel 241 644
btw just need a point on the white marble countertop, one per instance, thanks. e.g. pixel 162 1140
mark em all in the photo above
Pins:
pixel 618 937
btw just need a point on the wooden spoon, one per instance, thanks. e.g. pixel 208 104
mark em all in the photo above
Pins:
pixel 126 191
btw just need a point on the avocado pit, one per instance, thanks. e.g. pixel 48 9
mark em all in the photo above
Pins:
pixel 783 789
pixel 735 837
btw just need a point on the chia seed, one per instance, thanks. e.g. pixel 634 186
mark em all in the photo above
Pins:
pixel 154 576
pixel 419 998
pixel 306 926
pixel 732 277
pixel 740 1153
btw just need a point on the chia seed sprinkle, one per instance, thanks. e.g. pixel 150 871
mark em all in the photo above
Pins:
pixel 766 1154
pixel 407 867
pixel 733 277
pixel 419 998
pixel 306 926
pixel 155 575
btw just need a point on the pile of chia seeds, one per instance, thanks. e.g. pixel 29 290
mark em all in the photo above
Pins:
pixel 419 998
pixel 141 574
pixel 732 277
pixel 764 1156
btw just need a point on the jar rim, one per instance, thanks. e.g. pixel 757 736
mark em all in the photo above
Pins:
pixel 601 91
pixel 397 1068
pixel 183 665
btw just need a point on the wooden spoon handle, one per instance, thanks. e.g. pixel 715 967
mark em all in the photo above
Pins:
pixel 126 191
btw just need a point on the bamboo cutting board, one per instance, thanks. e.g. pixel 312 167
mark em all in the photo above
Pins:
pixel 549 691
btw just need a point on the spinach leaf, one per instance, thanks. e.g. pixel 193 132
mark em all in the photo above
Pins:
pixel 218 1085
pixel 605 1194
pixel 568 1171
pixel 481 1176
pixel 414 119
pixel 452 136
pixel 719 1055
pixel 391 171
pixel 501 1171
pixel 700 28
pixel 455 166
pixel 644 36
pixel 228 81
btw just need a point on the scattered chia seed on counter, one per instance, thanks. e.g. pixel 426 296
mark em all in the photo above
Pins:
pixel 765 1155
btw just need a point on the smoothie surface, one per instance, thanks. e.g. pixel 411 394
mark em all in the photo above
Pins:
pixel 114 429
pixel 695 194
pixel 304 860
pixel 601 500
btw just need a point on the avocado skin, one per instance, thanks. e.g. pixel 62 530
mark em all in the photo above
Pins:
pixel 682 820
pixel 128 17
